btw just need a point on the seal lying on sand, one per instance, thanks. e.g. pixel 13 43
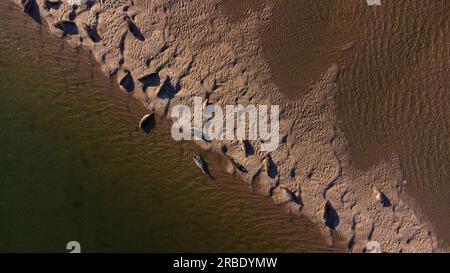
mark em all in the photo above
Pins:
pixel 147 122
pixel 200 163
pixel 238 166
pixel 67 27
pixel 378 195
pixel 52 4
pixel 27 5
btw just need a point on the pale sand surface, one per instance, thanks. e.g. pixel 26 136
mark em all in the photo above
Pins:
pixel 393 87
pixel 194 47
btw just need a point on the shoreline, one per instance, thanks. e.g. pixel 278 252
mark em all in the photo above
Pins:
pixel 163 208
pixel 314 150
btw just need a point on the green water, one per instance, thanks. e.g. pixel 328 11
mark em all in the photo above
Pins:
pixel 73 166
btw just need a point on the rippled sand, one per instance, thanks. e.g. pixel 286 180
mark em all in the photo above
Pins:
pixel 393 94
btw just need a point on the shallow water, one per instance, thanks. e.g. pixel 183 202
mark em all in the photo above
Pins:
pixel 73 166
pixel 393 94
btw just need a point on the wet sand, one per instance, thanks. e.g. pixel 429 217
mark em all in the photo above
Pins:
pixel 393 90
pixel 237 10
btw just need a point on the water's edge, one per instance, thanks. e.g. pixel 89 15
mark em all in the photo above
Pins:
pixel 127 207
pixel 402 210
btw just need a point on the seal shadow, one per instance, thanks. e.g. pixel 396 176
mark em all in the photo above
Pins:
pixel 151 80
pixel 31 7
pixel 272 172
pixel 207 171
pixel 333 219
pixel 167 90
pixel 249 150
pixel 386 202
pixel 134 29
